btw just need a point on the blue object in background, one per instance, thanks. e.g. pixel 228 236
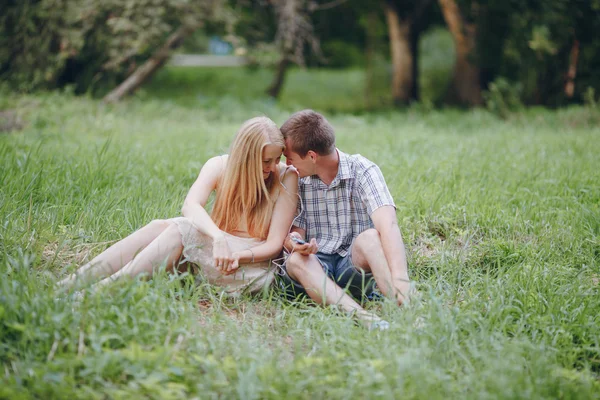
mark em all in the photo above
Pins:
pixel 218 46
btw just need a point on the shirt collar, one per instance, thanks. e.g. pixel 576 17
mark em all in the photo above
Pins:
pixel 342 174
pixel 344 167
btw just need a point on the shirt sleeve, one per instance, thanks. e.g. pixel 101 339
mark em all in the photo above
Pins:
pixel 373 190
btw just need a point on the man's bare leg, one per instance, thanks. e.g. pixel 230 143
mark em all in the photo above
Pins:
pixel 367 254
pixel 117 255
pixel 307 270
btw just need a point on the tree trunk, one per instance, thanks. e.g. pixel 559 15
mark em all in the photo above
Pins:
pixel 146 70
pixel 465 88
pixel 414 49
pixel 275 89
pixel 419 24
pixel 402 57
pixel 371 45
pixel 572 72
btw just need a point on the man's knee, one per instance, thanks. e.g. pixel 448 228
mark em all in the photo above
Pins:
pixel 368 238
pixel 298 265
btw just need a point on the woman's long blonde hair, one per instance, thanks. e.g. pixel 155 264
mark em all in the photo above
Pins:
pixel 242 193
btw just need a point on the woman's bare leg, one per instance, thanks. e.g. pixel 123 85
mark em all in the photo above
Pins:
pixel 167 247
pixel 117 255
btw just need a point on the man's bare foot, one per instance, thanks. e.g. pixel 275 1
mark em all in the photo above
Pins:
pixel 404 290
pixel 371 321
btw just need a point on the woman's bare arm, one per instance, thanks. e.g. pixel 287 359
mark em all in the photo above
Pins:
pixel 283 214
pixel 193 206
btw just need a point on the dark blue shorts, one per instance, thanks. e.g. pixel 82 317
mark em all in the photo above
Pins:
pixel 341 270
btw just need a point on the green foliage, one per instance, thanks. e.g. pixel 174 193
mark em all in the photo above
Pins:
pixel 32 48
pixel 264 55
pixel 339 54
pixel 91 44
pixel 589 98
pixel 231 88
pixel 437 54
pixel 501 221
pixel 591 106
pixel 540 42
pixel 503 97
pixel 531 42
pixel 341 29
pixel 197 43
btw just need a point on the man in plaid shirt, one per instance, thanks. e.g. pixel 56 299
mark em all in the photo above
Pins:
pixel 348 218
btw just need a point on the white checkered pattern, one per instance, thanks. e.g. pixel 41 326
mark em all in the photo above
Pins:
pixel 336 214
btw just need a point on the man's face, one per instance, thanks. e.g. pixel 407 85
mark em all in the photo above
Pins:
pixel 305 166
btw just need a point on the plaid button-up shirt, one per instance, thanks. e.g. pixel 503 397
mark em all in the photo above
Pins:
pixel 336 214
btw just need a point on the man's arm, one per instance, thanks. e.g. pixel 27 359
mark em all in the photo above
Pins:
pixel 310 247
pixel 384 219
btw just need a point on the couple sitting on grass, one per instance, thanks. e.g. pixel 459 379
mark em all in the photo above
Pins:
pixel 331 212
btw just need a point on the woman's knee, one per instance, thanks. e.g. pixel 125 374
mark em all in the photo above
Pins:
pixel 159 224
pixel 172 233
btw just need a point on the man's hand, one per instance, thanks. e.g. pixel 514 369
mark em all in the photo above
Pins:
pixel 304 249
pixel 385 222
pixel 404 290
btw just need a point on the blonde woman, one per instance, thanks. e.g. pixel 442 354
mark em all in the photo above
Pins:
pixel 254 206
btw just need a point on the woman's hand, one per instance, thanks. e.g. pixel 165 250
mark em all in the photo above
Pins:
pixel 222 254
pixel 234 265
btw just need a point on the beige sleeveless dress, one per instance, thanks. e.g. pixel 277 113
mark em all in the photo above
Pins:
pixel 197 250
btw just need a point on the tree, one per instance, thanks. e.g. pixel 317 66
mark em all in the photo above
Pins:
pixel 189 24
pixel 552 49
pixel 88 44
pixel 294 32
pixel 374 34
pixel 465 87
pixel 148 68
pixel 405 21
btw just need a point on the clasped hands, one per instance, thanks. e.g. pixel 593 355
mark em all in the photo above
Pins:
pixel 226 262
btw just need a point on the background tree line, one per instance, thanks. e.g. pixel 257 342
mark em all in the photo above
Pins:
pixel 506 51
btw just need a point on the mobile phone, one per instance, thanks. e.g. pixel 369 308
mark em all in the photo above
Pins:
pixel 297 240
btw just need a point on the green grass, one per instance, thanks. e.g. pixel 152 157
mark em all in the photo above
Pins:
pixel 327 90
pixel 501 220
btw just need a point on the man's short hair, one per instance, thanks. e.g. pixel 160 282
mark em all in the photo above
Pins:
pixel 309 130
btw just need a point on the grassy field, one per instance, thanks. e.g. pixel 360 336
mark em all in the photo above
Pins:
pixel 334 91
pixel 501 220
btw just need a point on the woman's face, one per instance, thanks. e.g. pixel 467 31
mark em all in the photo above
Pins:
pixel 271 156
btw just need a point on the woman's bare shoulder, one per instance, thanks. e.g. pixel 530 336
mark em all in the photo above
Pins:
pixel 216 163
pixel 285 170
pixel 288 176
